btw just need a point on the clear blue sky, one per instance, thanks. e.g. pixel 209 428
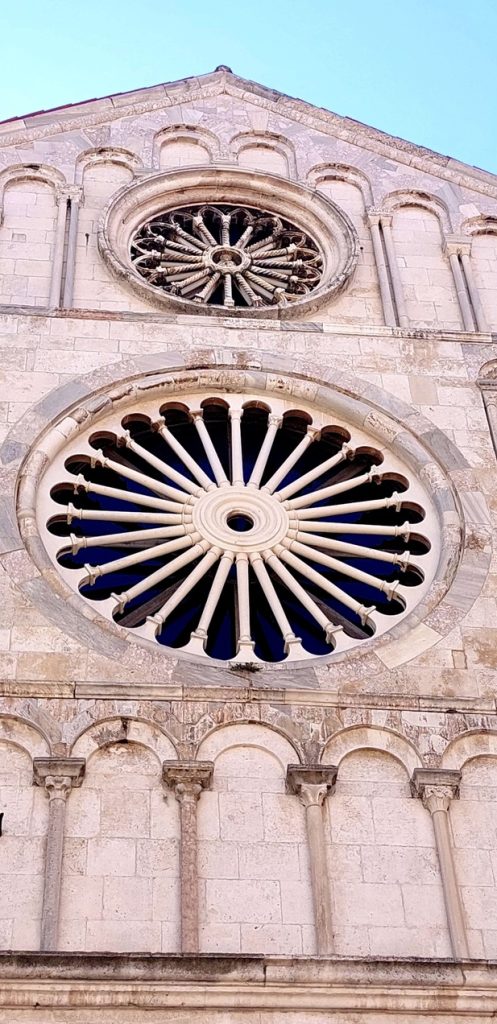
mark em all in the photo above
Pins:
pixel 422 69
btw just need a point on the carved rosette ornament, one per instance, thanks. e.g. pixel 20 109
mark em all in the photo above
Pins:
pixel 227 256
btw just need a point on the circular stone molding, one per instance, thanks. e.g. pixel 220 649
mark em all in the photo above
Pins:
pixel 219 240
pixel 238 526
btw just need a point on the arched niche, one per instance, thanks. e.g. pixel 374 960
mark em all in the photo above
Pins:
pixel 474 831
pixel 253 860
pixel 28 215
pixel 120 888
pixel 24 825
pixel 184 146
pixel 102 172
pixel 419 226
pixel 483 232
pixel 387 892
pixel 350 189
pixel 265 151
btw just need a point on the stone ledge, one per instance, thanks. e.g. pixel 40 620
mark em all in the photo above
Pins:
pixel 208 981
pixel 247 323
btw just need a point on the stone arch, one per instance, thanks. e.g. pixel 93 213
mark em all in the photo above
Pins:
pixel 480 225
pixel 371 737
pixel 488 371
pixel 270 142
pixel 29 172
pixel 467 746
pixel 190 136
pixel 264 737
pixel 411 197
pixel 341 172
pixel 25 735
pixel 107 154
pixel 124 730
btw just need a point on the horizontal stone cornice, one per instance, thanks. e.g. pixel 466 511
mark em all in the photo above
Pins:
pixel 155 982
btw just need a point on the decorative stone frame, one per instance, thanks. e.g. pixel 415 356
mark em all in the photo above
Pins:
pixel 458 577
pixel 320 218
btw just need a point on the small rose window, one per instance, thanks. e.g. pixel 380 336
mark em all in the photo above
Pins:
pixel 227 256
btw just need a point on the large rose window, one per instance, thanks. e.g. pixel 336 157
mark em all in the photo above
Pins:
pixel 236 527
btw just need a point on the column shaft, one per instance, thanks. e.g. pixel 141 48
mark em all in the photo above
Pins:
pixel 188 779
pixel 321 894
pixel 57 776
pixel 381 268
pixel 189 872
pixel 481 321
pixel 462 295
pixel 58 253
pixel 53 870
pixel 452 896
pixel 68 298
pixel 312 784
pixel 437 788
pixel 398 291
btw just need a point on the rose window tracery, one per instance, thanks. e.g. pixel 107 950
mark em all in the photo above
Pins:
pixel 225 255
pixel 238 528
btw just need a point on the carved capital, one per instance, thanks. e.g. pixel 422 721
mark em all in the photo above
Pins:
pixel 373 215
pixel 376 216
pixel 58 775
pixel 312 783
pixel 435 787
pixel 457 246
pixel 187 778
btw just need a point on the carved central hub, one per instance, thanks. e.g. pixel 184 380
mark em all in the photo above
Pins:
pixel 238 518
pixel 226 259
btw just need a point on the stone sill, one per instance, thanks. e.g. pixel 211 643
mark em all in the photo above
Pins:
pixel 213 323
pixel 208 981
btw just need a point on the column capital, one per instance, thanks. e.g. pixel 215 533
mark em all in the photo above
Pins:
pixel 65 192
pixel 436 787
pixel 457 245
pixel 312 783
pixel 58 775
pixel 187 778
pixel 374 215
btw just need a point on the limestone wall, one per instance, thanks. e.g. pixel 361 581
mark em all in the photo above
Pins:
pixel 221 858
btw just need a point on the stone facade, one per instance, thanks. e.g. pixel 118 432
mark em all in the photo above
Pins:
pixel 324 829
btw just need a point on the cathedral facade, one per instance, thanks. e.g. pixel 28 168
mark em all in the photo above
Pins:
pixel 248 648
